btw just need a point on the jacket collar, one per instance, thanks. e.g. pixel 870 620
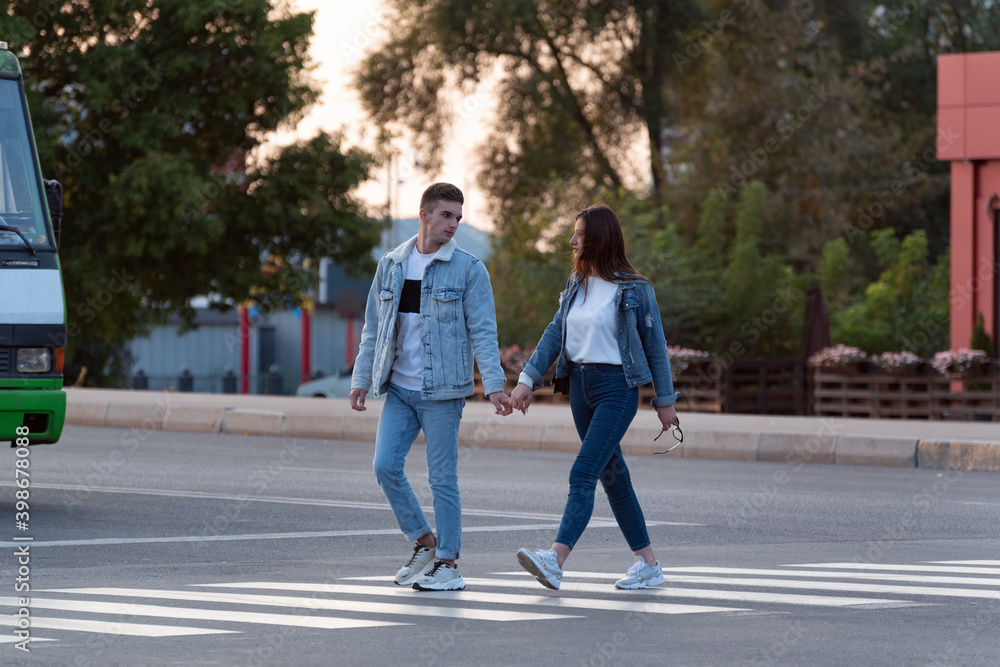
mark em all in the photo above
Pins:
pixel 401 253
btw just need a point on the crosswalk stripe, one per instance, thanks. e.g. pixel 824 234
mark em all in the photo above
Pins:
pixel 993 563
pixel 707 594
pixel 113 628
pixel 324 604
pixel 11 639
pixel 903 568
pixel 973 581
pixel 322 622
pixel 490 598
pixel 833 586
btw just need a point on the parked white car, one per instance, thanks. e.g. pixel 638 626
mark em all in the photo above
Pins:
pixel 331 386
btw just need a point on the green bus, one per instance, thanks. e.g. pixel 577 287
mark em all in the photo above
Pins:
pixel 32 305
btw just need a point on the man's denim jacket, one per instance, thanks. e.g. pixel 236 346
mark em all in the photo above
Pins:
pixel 640 341
pixel 457 322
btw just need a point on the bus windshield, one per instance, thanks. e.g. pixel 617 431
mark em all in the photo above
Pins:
pixel 20 192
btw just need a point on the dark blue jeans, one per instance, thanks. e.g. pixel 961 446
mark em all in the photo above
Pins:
pixel 603 407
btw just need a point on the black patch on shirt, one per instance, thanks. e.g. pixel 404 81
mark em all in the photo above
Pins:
pixel 409 300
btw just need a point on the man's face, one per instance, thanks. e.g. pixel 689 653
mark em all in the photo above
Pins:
pixel 440 224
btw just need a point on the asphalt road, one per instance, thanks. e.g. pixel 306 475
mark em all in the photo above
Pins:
pixel 153 548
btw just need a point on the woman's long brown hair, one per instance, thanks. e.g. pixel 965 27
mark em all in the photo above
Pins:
pixel 603 253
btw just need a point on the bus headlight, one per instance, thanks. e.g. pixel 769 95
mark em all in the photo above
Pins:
pixel 34 360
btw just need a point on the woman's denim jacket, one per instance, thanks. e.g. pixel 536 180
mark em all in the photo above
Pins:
pixel 457 323
pixel 640 341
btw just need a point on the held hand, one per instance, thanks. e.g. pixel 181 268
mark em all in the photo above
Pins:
pixel 501 402
pixel 520 398
pixel 667 415
pixel 358 399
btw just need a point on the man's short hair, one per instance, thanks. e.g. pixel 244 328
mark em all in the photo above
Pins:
pixel 440 192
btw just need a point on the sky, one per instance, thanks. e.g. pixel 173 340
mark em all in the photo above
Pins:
pixel 343 32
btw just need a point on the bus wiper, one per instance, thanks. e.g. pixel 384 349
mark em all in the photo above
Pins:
pixel 8 228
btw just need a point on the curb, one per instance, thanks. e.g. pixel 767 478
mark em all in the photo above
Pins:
pixel 819 441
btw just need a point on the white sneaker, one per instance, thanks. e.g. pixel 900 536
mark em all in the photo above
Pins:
pixel 419 562
pixel 641 575
pixel 441 577
pixel 543 564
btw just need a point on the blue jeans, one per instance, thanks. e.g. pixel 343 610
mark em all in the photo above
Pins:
pixel 404 414
pixel 603 407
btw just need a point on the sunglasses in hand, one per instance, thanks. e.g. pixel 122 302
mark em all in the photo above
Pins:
pixel 675 431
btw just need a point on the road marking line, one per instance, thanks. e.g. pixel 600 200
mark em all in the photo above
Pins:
pixel 902 568
pixel 910 578
pixel 490 598
pixel 322 622
pixel 9 639
pixel 993 563
pixel 323 604
pixel 837 586
pixel 318 502
pixel 281 536
pixel 708 594
pixel 113 628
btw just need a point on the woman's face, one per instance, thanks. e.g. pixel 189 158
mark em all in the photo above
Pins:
pixel 577 240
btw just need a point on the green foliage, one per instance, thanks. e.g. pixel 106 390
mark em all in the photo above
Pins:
pixel 152 115
pixel 830 105
pixel 526 282
pixel 579 83
pixel 980 339
pixel 907 308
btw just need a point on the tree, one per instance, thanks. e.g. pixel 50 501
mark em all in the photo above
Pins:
pixel 907 308
pixel 577 82
pixel 152 115
pixel 769 100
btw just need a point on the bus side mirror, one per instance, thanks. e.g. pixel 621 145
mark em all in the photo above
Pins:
pixel 54 196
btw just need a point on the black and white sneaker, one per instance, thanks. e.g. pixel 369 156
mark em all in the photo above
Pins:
pixel 419 562
pixel 441 577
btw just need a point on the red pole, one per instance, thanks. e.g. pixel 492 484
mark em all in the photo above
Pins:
pixel 244 350
pixel 305 345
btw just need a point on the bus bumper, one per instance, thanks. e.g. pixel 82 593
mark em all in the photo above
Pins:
pixel 41 409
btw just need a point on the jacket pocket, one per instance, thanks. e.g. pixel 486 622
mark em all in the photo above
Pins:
pixel 447 301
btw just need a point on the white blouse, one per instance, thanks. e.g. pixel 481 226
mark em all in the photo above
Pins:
pixel 591 326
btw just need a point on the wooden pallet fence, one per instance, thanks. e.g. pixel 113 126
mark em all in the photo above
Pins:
pixel 925 395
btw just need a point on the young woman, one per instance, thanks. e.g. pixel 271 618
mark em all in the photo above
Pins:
pixel 607 340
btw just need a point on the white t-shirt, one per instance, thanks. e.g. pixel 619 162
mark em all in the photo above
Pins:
pixel 406 367
pixel 591 326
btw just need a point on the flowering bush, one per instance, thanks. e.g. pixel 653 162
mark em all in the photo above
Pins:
pixel 512 358
pixel 839 355
pixel 682 357
pixel 896 361
pixel 960 360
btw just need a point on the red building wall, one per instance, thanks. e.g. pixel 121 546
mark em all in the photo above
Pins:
pixel 968 135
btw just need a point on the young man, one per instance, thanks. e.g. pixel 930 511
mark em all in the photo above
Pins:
pixel 430 310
